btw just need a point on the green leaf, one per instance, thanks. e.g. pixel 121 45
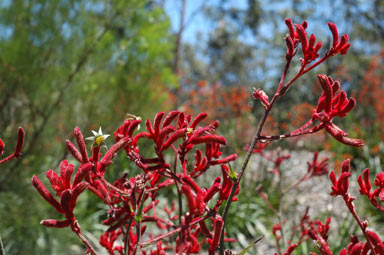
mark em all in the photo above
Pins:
pixel 251 245
pixel 232 174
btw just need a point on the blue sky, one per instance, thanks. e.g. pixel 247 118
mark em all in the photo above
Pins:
pixel 199 22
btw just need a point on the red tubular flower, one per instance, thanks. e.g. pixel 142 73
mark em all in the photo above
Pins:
pixel 332 104
pixel 275 228
pixel 1 147
pixel 73 150
pixel 110 154
pixel 81 144
pixel 378 245
pixel 365 188
pixel 321 244
pixel 214 242
pixel 225 160
pixel 39 186
pixel 290 249
pixel 341 46
pixel 318 168
pixel 309 46
pixel 259 94
pixel 192 205
pixel 67 192
pixel 341 185
pixel 20 142
pixel 208 139
pixel 19 146
pixel 227 184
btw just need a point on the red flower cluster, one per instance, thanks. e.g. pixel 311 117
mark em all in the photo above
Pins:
pixel 132 201
pixel 309 46
pixel 332 104
pixel 365 188
pixel 316 168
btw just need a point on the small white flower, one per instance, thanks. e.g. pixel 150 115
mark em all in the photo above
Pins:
pixel 98 138
pixel 133 117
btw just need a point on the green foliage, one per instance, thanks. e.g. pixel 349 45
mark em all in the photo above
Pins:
pixel 67 63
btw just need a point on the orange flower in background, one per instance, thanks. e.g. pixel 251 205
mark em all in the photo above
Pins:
pixel 372 91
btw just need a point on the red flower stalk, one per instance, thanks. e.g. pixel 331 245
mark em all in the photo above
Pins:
pixel 18 148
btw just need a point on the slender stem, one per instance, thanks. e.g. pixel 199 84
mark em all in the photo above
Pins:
pixel 158 238
pixel 291 135
pixel 2 251
pixel 7 158
pixel 138 219
pixel 121 192
pixel 351 208
pixel 86 243
pixel 295 185
pixel 280 214
pixel 255 139
pixel 282 89
pixel 126 237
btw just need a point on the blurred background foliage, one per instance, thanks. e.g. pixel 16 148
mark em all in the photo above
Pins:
pixel 87 63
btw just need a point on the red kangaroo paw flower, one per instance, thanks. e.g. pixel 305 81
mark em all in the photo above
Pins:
pixel 212 190
pixel 198 119
pixel 82 171
pixel 176 135
pixel 66 171
pixel 73 150
pixel 107 159
pixel 76 191
pixel 291 29
pixel 341 46
pixel 20 142
pixel 149 128
pixel 209 139
pixel 169 118
pixel 335 34
pixel 188 180
pixel 214 243
pixel 39 186
pixel 156 123
pixel 190 199
pixel 1 147
pixel 302 36
pixel 65 202
pixel 262 96
pixel 290 47
pixel 81 144
pixel 225 160
pixel 290 249
pixel 341 185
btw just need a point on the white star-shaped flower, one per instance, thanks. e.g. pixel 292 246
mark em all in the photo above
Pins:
pixel 98 138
